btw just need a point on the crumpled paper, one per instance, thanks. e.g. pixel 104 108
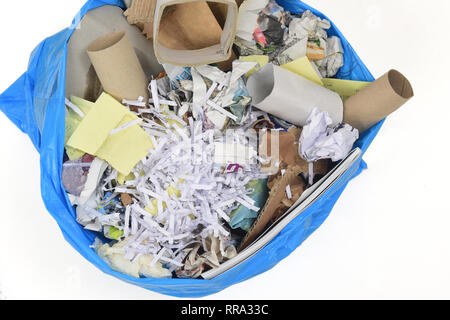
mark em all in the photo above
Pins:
pixel 319 140
pixel 215 253
pixel 219 98
pixel 265 28
pixel 143 265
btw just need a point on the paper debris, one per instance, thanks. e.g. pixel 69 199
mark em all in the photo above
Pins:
pixel 141 266
pixel 266 28
pixel 122 150
pixel 320 140
pixel 304 68
pixel 243 218
pixel 73 121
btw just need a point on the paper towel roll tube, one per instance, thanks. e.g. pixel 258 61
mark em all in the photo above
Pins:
pixel 377 101
pixel 81 78
pixel 118 67
pixel 291 97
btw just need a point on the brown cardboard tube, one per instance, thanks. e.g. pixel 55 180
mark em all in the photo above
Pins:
pixel 377 101
pixel 118 67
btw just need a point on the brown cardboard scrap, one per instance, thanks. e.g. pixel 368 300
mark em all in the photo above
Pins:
pixel 141 11
pixel 286 150
pixel 288 153
pixel 274 206
pixel 126 199
pixel 377 101
pixel 118 67
pixel 297 187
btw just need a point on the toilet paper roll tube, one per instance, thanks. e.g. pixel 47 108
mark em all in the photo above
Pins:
pixel 377 101
pixel 118 67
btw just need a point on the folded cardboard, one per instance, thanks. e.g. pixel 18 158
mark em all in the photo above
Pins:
pixel 271 209
pixel 377 101
pixel 203 48
pixel 81 78
pixel 118 67
pixel 291 97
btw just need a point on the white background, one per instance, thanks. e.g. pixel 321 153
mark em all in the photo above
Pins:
pixel 388 236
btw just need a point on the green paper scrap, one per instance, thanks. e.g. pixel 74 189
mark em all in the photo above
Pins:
pixel 115 233
pixel 243 218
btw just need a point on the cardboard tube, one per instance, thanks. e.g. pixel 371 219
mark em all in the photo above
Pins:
pixel 188 56
pixel 291 97
pixel 377 101
pixel 118 67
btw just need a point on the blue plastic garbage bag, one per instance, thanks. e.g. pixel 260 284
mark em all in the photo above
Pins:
pixel 35 103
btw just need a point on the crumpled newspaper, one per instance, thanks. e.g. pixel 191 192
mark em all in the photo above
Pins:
pixel 142 265
pixel 319 140
pixel 285 37
pixel 215 253
pixel 218 98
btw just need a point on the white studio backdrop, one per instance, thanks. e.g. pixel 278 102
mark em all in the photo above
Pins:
pixel 388 236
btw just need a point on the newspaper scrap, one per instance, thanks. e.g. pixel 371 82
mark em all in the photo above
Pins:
pixel 265 28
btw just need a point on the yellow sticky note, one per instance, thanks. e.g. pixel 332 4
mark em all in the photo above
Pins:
pixel 122 150
pixel 261 59
pixel 72 123
pixel 345 88
pixel 303 68
pixel 126 148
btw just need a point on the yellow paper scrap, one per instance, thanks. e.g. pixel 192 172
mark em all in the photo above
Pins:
pixel 304 68
pixel 72 123
pixel 122 150
pixel 171 191
pixel 345 88
pixel 262 61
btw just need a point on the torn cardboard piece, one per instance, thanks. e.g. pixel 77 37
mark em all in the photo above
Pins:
pixel 291 97
pixel 214 53
pixel 81 79
pixel 285 146
pixel 118 67
pixel 377 101
pixel 273 204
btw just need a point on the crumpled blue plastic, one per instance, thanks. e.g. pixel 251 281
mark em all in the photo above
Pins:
pixel 35 103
